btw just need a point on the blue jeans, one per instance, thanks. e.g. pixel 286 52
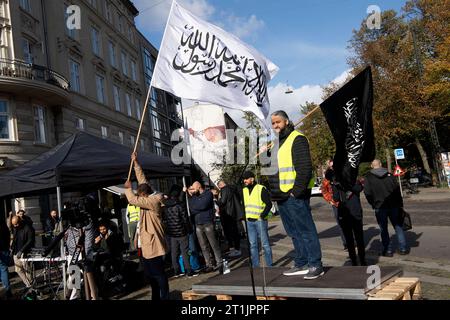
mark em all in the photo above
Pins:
pixel 258 230
pixel 382 216
pixel 4 276
pixel 299 225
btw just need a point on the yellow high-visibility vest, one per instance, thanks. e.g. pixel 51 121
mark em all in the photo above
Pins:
pixel 286 169
pixel 133 213
pixel 254 205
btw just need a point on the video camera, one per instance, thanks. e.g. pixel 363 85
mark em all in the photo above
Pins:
pixel 79 214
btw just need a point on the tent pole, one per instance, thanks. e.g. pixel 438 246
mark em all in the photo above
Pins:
pixel 187 202
pixel 60 208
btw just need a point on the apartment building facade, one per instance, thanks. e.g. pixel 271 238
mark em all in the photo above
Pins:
pixel 68 65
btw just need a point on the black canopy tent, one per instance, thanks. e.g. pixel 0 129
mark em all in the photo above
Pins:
pixel 82 162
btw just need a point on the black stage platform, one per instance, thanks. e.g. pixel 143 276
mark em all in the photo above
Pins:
pixel 337 283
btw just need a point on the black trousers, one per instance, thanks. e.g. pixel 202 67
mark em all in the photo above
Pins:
pixel 230 229
pixel 352 227
pixel 177 245
pixel 154 271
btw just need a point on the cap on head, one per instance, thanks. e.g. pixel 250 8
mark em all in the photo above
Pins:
pixel 248 175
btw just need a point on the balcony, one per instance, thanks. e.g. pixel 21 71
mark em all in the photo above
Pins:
pixel 22 78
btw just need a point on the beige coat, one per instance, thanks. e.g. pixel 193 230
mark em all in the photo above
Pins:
pixel 151 230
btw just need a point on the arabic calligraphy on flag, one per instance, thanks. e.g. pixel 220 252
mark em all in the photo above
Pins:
pixel 200 61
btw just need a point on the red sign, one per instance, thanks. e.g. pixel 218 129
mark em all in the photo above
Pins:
pixel 398 171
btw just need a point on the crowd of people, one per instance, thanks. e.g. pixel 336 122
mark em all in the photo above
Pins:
pixel 182 225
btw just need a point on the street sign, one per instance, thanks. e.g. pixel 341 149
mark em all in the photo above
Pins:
pixel 399 154
pixel 398 171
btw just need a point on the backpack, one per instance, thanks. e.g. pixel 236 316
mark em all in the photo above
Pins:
pixel 327 192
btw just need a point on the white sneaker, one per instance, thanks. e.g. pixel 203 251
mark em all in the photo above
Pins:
pixel 296 271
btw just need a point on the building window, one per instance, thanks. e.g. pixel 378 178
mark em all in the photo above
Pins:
pixel 130 33
pixel 93 3
pixel 5 122
pixel 121 137
pixel 39 125
pixel 157 148
pixel 104 132
pixel 75 83
pixel 100 81
pixel 96 44
pixel 108 10
pixel 27 55
pixel 120 23
pixel 149 65
pixel 132 140
pixel 25 4
pixel 112 53
pixel 142 144
pixel 137 103
pixel 133 70
pixel 79 124
pixel 154 98
pixel 70 32
pixel 124 63
pixel 116 92
pixel 128 102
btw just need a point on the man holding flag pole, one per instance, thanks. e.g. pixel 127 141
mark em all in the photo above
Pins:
pixel 200 61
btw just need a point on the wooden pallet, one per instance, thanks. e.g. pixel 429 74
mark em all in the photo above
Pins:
pixel 191 295
pixel 399 289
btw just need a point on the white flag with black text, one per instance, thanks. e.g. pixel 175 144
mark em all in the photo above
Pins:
pixel 200 61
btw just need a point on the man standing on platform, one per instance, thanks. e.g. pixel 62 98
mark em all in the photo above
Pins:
pixel 257 208
pixel 291 189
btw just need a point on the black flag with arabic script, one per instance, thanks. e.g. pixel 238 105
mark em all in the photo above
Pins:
pixel 349 116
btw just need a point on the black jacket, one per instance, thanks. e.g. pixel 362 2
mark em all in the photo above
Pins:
pixel 113 245
pixel 265 197
pixel 202 207
pixel 23 239
pixel 176 219
pixel 349 201
pixel 382 189
pixel 301 159
pixel 229 203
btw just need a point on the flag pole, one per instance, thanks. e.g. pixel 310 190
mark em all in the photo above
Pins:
pixel 140 127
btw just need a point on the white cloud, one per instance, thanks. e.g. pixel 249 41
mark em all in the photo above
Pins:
pixel 290 103
pixel 244 28
pixel 153 15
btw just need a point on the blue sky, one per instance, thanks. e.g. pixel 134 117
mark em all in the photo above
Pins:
pixel 307 39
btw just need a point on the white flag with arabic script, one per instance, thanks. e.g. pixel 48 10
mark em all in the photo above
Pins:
pixel 199 61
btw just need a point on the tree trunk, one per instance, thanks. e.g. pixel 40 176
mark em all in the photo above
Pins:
pixel 388 159
pixel 423 155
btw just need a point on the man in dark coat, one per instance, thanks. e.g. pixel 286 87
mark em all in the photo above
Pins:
pixel 383 193
pixel 23 241
pixel 178 228
pixel 231 212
